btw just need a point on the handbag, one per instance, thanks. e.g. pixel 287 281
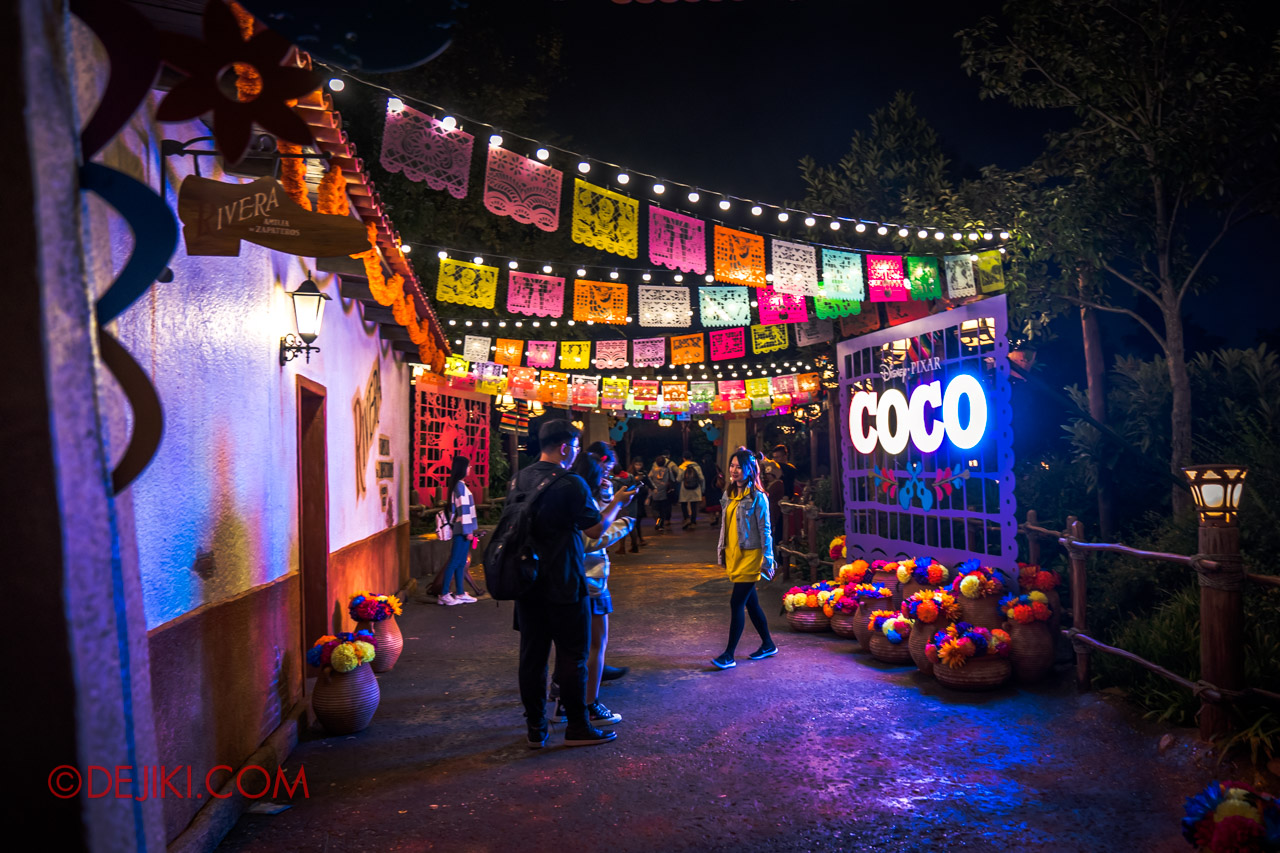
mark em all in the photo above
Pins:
pixel 444 527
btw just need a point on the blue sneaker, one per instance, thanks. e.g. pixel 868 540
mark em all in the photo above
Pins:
pixel 724 662
pixel 763 652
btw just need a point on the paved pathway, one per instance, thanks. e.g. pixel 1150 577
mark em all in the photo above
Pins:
pixel 820 748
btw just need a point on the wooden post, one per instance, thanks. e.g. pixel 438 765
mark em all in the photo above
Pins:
pixel 1078 601
pixel 1221 623
pixel 1033 538
pixel 811 541
pixel 833 455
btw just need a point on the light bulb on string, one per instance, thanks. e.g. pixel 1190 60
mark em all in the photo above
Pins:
pixel 809 221
pixel 584 167
pixel 956 236
pixel 453 322
pixel 724 204
pixel 783 216
pixel 502 324
pixel 477 260
pixel 546 268
pixel 986 235
pixel 973 235
pixel 337 84
pixel 613 275
pixel 554 323
pixel 442 255
pixel 513 265
pixel 882 230
pixel 659 189
pixel 468 323
pixel 922 233
pixel 756 210
pixel 693 196
pixel 519 324
pixel 484 323
pixel 542 154
pixel 678 277
pixel 938 235
pixel 902 232
pixel 495 140
pixel 860 227
pixel 709 278
pixel 647 277
pixel 835 225
pixel 624 178
pixel 581 272
pixel 1004 235
pixel 572 322
pixel 395 105
pixel 406 249
pixel 449 123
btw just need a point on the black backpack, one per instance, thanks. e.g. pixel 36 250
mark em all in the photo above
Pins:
pixel 510 561
pixel 691 480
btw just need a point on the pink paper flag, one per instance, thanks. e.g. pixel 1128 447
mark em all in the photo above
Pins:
pixel 727 343
pixel 540 353
pixel 733 389
pixel 535 295
pixel 417 145
pixel 778 307
pixel 677 241
pixel 886 279
pixel 611 355
pixel 649 352
pixel 524 189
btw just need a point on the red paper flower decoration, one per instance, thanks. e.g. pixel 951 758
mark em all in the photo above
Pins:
pixel 203 61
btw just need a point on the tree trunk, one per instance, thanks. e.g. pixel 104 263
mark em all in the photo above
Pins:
pixel 1180 384
pixel 1096 376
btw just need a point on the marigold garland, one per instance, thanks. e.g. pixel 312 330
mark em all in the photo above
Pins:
pixel 248 80
pixel 331 195
pixel 293 173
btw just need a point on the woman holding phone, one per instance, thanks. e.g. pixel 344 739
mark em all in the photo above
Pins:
pixel 746 552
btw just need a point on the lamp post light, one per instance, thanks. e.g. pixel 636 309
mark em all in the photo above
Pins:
pixel 308 311
pixel 1216 490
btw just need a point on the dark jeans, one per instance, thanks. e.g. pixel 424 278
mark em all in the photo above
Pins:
pixel 745 599
pixel 569 627
pixel 690 510
pixel 662 511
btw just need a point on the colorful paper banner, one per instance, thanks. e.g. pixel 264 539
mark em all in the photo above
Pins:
pixel 524 189
pixel 466 283
pixel 605 220
pixel 885 278
pixel 766 339
pixel 739 257
pixel 649 352
pixel 727 343
pixel 724 306
pixel 585 390
pixel 600 302
pixel 611 355
pixel 535 295
pixel 842 276
pixel 960 279
pixel 795 268
pixel 813 332
pixel 776 307
pixel 664 306
pixel 575 355
pixel 540 353
pixel 510 352
pixel 418 146
pixel 476 348
pixel 675 392
pixel 676 241
pixel 923 279
pixel 688 349
pixel 989 271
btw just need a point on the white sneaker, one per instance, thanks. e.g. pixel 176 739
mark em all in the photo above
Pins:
pixel 466 598
pixel 446 598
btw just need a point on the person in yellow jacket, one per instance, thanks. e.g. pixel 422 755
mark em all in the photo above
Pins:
pixel 746 552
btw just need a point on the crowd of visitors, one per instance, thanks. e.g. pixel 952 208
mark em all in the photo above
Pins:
pixel 582 504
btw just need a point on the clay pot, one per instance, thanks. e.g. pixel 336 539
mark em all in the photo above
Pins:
pixel 1030 650
pixel 983 612
pixel 805 619
pixel 883 650
pixel 843 623
pixel 910 588
pixel 981 673
pixel 861 629
pixel 1055 604
pixel 344 702
pixel 920 636
pixel 390 643
pixel 890 580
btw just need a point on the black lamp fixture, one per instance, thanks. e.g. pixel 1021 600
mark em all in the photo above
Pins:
pixel 308 310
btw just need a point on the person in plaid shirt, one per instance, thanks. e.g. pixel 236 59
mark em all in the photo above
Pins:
pixel 461 508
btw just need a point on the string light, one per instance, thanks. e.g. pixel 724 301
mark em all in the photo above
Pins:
pixel 337 84
pixel 986 235
pixel 1004 235
pixel 513 265
pixel 693 196
pixel 624 178
pixel 956 236
pixel 724 204
pixel 542 154
pixel 835 225
pixel 973 235
pixel 922 233
pixel 613 275
pixel 495 140
pixel 647 277
pixel 756 210
pixel 546 268
pixel 584 167
pixel 809 220
pixel 860 227
pixel 783 216
pixel 659 189
pixel 678 277
pixel 442 255
pixel 395 105
pixel 938 235
pixel 902 232
pixel 406 249
pixel 581 272
pixel 882 230
pixel 449 123
pixel 477 260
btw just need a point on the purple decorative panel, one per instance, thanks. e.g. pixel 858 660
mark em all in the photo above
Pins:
pixel 676 241
pixel 927 455
pixel 524 189
pixel 535 295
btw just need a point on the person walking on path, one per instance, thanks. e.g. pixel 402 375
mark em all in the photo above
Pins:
pixel 557 610
pixel 593 466
pixel 691 483
pixel 714 487
pixel 663 482
pixel 746 552
pixel 635 477
pixel 460 509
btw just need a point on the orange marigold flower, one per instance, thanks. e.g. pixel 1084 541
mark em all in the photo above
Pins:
pixel 1041 610
pixel 927 611
pixel 811 600
pixel 950 654
pixel 1022 614
pixel 1045 581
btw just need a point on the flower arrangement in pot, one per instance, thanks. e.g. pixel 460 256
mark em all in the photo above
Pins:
pixel 890 631
pixel 837 550
pixel 1028 624
pixel 978 590
pixel 859 571
pixel 1231 816
pixel 805 606
pixel 377 613
pixel 346 694
pixel 921 573
pixel 970 657
pixel 844 610
pixel 886 572
pixel 867 597
pixel 1035 579
pixel 932 610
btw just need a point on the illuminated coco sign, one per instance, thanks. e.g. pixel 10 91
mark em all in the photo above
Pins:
pixel 914 420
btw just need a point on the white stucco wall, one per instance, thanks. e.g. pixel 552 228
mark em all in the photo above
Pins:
pixel 222 491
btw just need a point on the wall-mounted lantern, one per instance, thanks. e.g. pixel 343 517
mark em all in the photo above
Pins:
pixel 308 311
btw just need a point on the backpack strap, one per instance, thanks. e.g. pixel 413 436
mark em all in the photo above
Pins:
pixel 542 487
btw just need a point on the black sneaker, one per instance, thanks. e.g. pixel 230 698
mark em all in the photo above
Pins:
pixel 763 652
pixel 558 716
pixel 590 736
pixel 613 673
pixel 724 662
pixel 599 715
pixel 539 734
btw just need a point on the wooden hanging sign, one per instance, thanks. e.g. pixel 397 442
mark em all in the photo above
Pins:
pixel 216 216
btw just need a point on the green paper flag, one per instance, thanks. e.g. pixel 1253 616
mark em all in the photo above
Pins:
pixel 923 278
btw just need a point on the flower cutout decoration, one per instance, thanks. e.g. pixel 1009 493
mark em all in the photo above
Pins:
pixel 204 61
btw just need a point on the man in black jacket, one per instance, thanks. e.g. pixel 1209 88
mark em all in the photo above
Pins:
pixel 556 609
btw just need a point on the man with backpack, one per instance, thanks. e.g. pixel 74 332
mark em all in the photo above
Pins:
pixel 552 508
pixel 664 487
pixel 691 482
